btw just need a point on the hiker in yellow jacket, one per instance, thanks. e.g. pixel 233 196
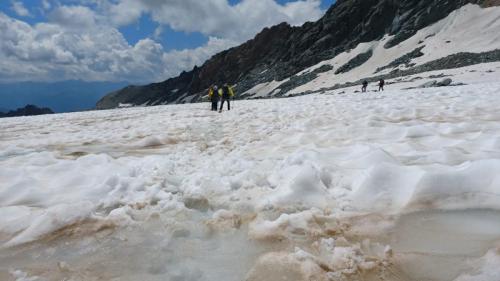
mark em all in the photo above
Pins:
pixel 226 93
pixel 213 95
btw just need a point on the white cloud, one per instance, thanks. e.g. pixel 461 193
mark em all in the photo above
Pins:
pixel 215 17
pixel 186 59
pixel 300 12
pixel 50 51
pixel 79 17
pixel 125 12
pixel 46 5
pixel 158 32
pixel 19 9
pixel 80 42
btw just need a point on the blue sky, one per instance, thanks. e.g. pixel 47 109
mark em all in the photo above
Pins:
pixel 138 40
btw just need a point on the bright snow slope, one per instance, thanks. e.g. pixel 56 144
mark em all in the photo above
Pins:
pixel 469 29
pixel 402 185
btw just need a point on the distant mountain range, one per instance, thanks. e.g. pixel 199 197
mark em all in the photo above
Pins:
pixel 395 38
pixel 29 110
pixel 67 96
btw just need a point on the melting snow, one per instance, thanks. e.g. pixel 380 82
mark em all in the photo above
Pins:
pixel 399 185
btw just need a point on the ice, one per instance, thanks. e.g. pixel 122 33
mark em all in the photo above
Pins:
pixel 386 187
pixel 150 142
pixel 287 225
pixel 23 276
pixel 300 185
pixel 458 232
pixel 52 219
pixel 428 241
pixel 469 185
pixel 487 268
pixel 400 185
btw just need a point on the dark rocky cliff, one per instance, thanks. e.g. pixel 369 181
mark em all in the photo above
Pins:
pixel 281 51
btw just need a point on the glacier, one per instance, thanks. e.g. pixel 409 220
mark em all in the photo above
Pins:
pixel 394 185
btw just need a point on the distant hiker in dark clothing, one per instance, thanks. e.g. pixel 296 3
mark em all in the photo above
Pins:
pixel 381 84
pixel 226 92
pixel 213 95
pixel 365 85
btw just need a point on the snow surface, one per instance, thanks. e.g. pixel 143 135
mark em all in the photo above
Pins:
pixel 264 89
pixel 403 185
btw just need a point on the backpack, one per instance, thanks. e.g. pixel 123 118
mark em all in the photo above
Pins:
pixel 225 93
pixel 213 94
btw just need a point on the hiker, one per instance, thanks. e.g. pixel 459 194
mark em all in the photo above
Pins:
pixel 226 93
pixel 213 95
pixel 365 85
pixel 381 84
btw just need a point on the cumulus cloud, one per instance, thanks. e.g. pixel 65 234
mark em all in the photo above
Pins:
pixel 124 12
pixel 186 59
pixel 49 51
pixel 19 9
pixel 82 41
pixel 80 17
pixel 217 17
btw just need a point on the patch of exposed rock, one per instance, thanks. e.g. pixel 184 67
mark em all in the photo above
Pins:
pixel 404 60
pixel 355 62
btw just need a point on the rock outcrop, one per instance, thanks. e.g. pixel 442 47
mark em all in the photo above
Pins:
pixel 282 51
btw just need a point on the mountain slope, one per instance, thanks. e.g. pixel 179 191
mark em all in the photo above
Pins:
pixel 468 36
pixel 280 52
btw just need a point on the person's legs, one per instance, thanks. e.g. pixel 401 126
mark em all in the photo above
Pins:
pixel 228 105
pixel 221 105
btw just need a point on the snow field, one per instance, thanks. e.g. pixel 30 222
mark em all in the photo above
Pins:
pixel 323 186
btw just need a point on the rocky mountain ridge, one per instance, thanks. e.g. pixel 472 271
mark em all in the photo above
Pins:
pixel 280 52
pixel 28 110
